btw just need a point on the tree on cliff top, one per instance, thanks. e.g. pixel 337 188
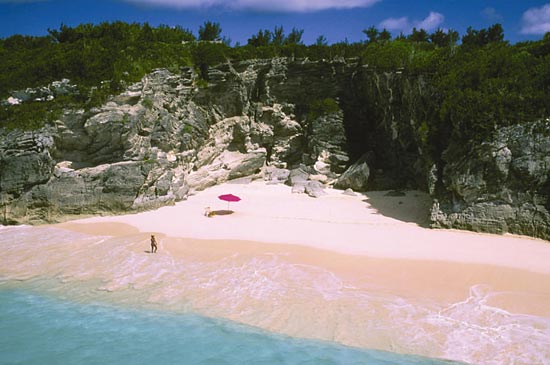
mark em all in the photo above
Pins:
pixel 210 31
pixel 483 37
pixel 294 37
pixel 440 38
pixel 261 39
pixel 277 38
pixel 371 33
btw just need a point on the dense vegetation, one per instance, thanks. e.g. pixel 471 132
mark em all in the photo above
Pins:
pixel 481 80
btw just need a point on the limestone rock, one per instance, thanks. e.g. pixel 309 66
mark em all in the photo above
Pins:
pixel 356 177
pixel 299 188
pixel 349 192
pixel 297 176
pixel 314 189
pixel 227 166
pixel 44 93
pixel 502 185
pixel 276 175
pixel 327 144
pixel 275 129
pixel 25 160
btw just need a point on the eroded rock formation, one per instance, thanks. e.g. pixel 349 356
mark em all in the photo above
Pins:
pixel 503 185
pixel 171 134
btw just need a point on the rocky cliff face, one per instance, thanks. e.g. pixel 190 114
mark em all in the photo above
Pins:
pixel 282 120
pixel 502 185
pixel 169 135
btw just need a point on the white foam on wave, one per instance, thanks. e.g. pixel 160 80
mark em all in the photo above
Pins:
pixel 510 338
pixel 263 277
pixel 468 330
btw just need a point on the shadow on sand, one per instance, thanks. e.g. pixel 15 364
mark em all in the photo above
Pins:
pixel 406 206
pixel 221 212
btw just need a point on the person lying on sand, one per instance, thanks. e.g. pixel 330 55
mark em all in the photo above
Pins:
pixel 154 245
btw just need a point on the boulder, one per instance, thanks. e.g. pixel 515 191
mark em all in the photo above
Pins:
pixel 314 189
pixel 349 192
pixel 299 188
pixel 356 177
pixel 297 176
pixel 243 165
pixel 227 166
pixel 276 175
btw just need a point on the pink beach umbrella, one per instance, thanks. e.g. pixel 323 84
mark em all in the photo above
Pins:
pixel 229 198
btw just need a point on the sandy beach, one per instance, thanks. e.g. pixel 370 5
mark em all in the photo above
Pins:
pixel 359 270
pixel 374 225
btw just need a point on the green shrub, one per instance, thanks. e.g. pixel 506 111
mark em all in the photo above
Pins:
pixel 202 84
pixel 318 108
pixel 147 103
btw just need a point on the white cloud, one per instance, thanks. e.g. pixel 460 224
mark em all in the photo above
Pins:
pixel 262 5
pixel 536 20
pixel 400 24
pixel 431 22
pixel 403 24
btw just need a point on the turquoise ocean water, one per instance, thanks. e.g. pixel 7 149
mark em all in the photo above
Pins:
pixel 40 329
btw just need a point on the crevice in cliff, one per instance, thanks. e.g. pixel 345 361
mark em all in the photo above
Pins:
pixel 374 126
pixel 259 91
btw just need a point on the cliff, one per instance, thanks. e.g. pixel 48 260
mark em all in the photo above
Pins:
pixel 283 120
pixel 500 185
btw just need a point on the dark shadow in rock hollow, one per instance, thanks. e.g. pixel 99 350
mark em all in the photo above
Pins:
pixel 408 206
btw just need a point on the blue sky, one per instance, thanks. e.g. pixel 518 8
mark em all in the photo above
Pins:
pixel 337 20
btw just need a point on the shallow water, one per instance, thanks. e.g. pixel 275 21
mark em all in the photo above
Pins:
pixel 93 296
pixel 37 329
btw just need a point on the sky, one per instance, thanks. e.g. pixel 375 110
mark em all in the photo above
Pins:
pixel 337 20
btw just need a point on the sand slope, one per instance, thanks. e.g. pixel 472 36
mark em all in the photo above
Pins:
pixel 374 224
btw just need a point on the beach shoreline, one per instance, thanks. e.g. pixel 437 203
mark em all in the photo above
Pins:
pixel 440 280
pixel 335 268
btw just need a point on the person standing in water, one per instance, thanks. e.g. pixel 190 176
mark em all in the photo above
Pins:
pixel 154 245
